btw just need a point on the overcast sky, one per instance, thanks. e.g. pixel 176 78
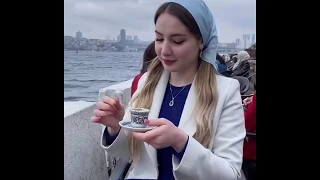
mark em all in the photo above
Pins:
pixel 104 18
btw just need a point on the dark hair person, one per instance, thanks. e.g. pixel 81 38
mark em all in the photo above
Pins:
pixel 148 55
pixel 221 64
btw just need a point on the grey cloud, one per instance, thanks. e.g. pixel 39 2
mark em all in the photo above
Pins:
pixel 98 18
pixel 239 13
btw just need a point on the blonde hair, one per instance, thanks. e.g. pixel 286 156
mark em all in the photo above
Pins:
pixel 206 93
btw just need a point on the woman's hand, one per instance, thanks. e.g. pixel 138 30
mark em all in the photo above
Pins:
pixel 247 101
pixel 164 135
pixel 109 112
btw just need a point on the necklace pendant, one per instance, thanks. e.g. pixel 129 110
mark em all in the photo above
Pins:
pixel 171 103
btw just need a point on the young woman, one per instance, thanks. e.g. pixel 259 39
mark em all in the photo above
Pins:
pixel 199 115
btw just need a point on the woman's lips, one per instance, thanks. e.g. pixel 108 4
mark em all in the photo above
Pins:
pixel 168 62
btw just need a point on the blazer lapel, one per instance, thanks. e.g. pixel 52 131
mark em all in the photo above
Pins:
pixel 158 95
pixel 187 121
pixel 155 109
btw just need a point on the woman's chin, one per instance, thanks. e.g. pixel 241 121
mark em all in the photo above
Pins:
pixel 170 68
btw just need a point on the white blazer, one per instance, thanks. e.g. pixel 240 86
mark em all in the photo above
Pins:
pixel 222 161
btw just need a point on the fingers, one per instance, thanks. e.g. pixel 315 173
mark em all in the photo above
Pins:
pixel 138 135
pixel 158 122
pixel 118 104
pixel 109 101
pixel 105 107
pixel 144 136
pixel 244 101
pixel 101 113
pixel 149 135
pixel 247 101
pixel 154 141
pixel 95 119
pixel 112 104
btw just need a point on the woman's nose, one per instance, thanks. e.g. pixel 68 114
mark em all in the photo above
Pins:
pixel 166 49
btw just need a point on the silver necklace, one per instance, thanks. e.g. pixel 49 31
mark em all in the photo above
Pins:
pixel 171 103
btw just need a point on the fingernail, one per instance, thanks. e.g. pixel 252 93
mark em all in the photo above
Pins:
pixel 146 121
pixel 94 119
pixel 110 113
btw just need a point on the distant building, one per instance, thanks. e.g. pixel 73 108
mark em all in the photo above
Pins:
pixel 68 38
pixel 231 45
pixel 237 42
pixel 253 38
pixel 246 38
pixel 123 36
pixel 78 36
pixel 227 45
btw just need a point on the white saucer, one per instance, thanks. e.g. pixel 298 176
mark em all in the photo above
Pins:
pixel 127 125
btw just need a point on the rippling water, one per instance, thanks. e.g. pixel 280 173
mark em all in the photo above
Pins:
pixel 86 72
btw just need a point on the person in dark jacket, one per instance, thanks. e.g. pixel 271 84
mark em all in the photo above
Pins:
pixel 221 64
pixel 242 66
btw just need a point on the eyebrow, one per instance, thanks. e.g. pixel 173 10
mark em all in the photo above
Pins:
pixel 171 34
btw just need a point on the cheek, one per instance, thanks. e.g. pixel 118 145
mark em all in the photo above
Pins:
pixel 157 48
pixel 186 51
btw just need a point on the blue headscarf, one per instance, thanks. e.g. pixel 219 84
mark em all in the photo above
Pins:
pixel 204 18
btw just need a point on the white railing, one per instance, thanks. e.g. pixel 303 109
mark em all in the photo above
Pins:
pixel 84 158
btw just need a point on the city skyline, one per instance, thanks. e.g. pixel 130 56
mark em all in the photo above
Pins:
pixel 101 19
pixel 250 38
pixel 106 38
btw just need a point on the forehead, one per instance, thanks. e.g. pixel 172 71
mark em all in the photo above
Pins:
pixel 168 24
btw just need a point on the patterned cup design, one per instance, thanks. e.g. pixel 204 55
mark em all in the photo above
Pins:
pixel 138 115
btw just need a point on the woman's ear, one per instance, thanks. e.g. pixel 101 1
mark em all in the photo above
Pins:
pixel 201 46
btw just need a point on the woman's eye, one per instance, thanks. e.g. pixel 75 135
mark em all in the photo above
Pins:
pixel 178 42
pixel 157 39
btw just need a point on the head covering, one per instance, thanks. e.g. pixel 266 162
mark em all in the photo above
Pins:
pixel 242 56
pixel 204 18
